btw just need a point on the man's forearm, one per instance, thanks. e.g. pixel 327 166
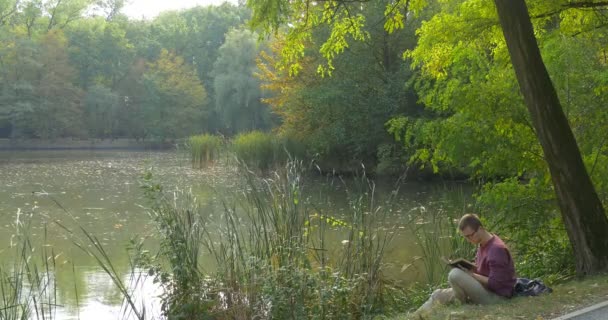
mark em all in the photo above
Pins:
pixel 482 279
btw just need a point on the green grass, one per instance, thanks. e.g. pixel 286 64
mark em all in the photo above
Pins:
pixel 27 286
pixel 271 254
pixel 256 149
pixel 204 149
pixel 566 297
pixel 266 151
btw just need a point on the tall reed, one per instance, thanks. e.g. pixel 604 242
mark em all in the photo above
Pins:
pixel 182 226
pixel 437 237
pixel 28 288
pixel 90 244
pixel 256 149
pixel 272 257
pixel 204 149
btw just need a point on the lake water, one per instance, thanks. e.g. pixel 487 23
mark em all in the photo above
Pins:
pixel 47 191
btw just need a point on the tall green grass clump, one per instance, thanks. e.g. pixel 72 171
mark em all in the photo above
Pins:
pixel 256 149
pixel 280 265
pixel 437 236
pixel 264 151
pixel 182 225
pixel 204 149
pixel 273 260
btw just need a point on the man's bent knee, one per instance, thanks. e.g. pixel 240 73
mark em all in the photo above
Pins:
pixel 456 276
pixel 442 296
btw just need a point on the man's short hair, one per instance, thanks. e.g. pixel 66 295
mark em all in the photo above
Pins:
pixel 470 220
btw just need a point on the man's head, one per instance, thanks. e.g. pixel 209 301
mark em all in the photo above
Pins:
pixel 471 228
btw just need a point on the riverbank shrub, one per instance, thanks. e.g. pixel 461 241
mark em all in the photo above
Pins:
pixel 204 149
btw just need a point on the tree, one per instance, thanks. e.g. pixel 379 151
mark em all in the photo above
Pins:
pixel 342 118
pixel 196 35
pixel 583 213
pixel 174 107
pixel 18 73
pixel 237 90
pixel 58 112
pixel 102 112
pixel 582 210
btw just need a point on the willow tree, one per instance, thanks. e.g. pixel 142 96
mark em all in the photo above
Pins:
pixel 582 211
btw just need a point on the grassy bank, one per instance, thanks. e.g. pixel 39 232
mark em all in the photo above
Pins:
pixel 566 297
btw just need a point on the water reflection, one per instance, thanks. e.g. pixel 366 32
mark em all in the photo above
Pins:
pixel 101 300
pixel 99 191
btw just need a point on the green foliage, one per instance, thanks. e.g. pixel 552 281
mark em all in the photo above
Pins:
pixel 182 226
pixel 102 109
pixel 341 118
pixel 39 97
pixel 256 149
pixel 112 65
pixel 345 20
pixel 526 217
pixel 204 149
pixel 276 264
pixel 176 98
pixel 237 91
pixel 479 123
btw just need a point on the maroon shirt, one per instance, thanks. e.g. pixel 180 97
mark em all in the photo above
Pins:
pixel 494 261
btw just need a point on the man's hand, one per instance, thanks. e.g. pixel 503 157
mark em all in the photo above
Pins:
pixel 482 279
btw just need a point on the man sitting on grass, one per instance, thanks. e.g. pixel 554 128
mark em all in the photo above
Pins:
pixel 492 281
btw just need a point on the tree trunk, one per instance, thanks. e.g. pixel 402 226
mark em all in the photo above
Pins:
pixel 581 209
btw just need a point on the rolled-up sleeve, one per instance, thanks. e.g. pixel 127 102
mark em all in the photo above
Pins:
pixel 501 278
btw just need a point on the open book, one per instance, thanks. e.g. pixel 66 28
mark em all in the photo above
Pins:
pixel 460 263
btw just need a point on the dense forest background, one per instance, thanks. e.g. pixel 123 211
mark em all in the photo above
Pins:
pixel 440 93
pixel 81 69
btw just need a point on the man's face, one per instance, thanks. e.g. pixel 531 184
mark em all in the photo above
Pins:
pixel 471 235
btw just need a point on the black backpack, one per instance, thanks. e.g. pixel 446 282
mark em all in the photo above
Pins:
pixel 527 288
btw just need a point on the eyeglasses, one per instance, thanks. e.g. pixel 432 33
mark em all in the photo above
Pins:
pixel 468 236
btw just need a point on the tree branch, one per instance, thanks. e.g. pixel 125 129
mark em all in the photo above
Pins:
pixel 572 5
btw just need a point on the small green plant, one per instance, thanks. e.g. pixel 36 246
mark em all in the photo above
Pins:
pixel 204 149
